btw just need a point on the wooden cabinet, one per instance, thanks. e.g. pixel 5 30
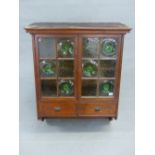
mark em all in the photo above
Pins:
pixel 77 68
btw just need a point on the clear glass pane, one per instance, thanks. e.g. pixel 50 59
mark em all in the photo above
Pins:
pixel 66 88
pixel 108 48
pixel 48 88
pixel 47 47
pixel 107 68
pixel 90 68
pixel 89 87
pixel 47 68
pixel 65 48
pixel 66 68
pixel 90 47
pixel 106 88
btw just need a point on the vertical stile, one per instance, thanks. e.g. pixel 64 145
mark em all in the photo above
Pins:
pixel 98 57
pixel 57 62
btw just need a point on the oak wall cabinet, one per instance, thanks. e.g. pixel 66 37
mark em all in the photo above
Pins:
pixel 77 68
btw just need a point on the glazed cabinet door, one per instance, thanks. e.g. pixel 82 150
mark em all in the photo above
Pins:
pixel 99 61
pixel 56 74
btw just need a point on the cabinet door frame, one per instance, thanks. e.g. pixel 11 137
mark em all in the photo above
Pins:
pixel 98 99
pixel 77 66
pixel 57 99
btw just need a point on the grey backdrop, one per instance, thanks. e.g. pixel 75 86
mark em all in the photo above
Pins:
pixel 81 136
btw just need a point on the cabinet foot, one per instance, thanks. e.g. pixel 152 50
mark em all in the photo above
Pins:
pixel 110 118
pixel 41 118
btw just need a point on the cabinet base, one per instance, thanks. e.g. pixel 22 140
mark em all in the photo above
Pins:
pixel 109 118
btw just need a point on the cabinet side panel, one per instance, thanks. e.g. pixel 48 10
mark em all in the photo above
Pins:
pixel 35 58
pixel 118 70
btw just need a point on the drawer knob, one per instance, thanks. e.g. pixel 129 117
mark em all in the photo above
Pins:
pixel 97 109
pixel 57 109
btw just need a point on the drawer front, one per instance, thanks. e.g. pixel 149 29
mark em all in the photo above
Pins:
pixel 97 109
pixel 57 110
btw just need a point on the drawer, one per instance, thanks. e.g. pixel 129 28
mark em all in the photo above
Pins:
pixel 57 109
pixel 93 109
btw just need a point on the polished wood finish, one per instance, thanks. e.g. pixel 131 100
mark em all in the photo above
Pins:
pixel 77 26
pixel 77 106
pixel 57 109
pixel 95 109
pixel 80 28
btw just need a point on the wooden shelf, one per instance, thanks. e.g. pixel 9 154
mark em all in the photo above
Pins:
pixel 56 58
pixel 90 58
pixel 107 58
pixel 97 96
pixel 47 58
pixel 98 78
pixel 55 78
pixel 107 69
pixel 65 58
pixel 65 78
pixel 48 78
pixel 104 58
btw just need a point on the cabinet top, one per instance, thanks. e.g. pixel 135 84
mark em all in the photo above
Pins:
pixel 44 26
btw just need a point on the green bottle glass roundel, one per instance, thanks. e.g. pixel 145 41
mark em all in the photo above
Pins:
pixel 66 87
pixel 48 68
pixel 90 68
pixel 66 48
pixel 106 87
pixel 109 47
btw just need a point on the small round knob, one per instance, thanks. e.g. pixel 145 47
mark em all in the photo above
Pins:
pixel 97 108
pixel 57 109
